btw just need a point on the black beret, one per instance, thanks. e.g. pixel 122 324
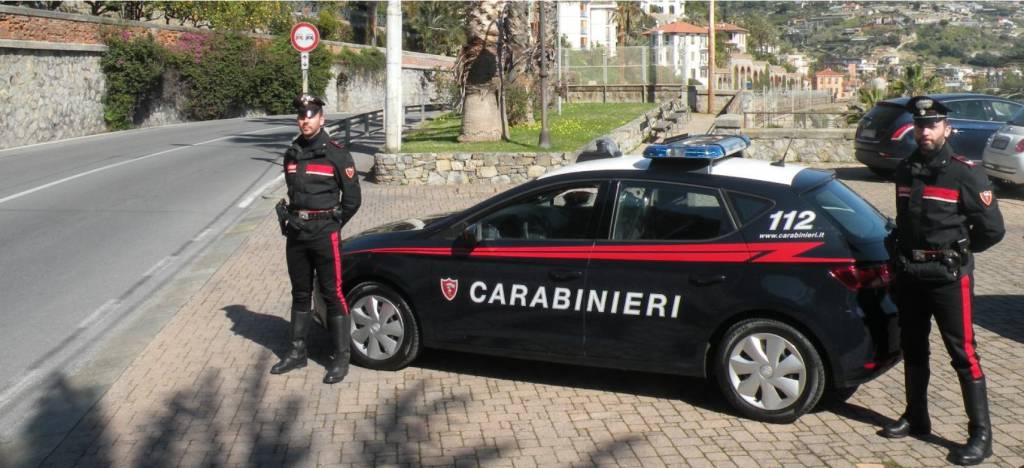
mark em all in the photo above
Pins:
pixel 926 108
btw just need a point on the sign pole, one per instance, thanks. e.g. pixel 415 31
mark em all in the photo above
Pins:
pixel 304 58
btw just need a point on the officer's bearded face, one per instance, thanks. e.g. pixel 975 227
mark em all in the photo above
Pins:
pixel 931 135
pixel 309 126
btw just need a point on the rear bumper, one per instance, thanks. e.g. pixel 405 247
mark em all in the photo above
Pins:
pixel 1005 167
pixel 877 160
pixel 878 320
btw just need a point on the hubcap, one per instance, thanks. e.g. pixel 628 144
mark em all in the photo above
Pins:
pixel 767 371
pixel 377 327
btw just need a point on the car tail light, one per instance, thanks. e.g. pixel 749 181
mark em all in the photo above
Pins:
pixel 1020 146
pixel 856 278
pixel 884 154
pixel 902 132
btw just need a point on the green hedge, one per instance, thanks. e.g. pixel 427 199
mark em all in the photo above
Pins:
pixel 219 75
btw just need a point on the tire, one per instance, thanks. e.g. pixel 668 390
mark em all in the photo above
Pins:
pixel 385 334
pixel 747 363
pixel 834 397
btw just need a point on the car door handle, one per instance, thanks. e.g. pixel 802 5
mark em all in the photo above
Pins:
pixel 707 280
pixel 565 275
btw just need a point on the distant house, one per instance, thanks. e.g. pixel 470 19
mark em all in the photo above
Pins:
pixel 675 8
pixel 831 81
pixel 684 46
pixel 587 24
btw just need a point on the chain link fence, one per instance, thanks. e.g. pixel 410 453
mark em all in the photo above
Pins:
pixel 618 66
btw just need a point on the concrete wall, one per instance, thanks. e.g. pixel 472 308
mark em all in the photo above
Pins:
pixel 53 85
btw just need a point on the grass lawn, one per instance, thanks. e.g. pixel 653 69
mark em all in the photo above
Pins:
pixel 578 124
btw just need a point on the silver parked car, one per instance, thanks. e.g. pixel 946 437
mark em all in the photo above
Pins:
pixel 1004 153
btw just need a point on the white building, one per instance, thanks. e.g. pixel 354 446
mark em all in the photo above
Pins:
pixel 587 24
pixel 684 46
pixel 800 62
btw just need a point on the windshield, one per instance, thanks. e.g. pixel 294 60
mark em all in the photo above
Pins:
pixel 860 221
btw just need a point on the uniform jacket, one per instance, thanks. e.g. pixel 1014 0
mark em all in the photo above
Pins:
pixel 943 198
pixel 319 172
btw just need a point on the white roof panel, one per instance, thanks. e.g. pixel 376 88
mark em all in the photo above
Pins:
pixel 753 169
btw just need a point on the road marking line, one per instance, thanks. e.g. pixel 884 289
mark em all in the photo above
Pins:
pixel 201 235
pixel 159 266
pixel 33 377
pixel 255 193
pixel 99 169
pixel 100 311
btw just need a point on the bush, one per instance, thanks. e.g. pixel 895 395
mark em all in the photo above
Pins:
pixel 217 84
pixel 361 60
pixel 277 78
pixel 133 67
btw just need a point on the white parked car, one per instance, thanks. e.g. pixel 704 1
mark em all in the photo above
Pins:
pixel 1004 153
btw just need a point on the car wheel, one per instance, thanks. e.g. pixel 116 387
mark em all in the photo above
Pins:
pixel 769 371
pixel 385 335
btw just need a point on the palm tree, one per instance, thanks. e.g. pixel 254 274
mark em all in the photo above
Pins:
pixel 914 83
pixel 477 69
pixel 867 96
pixel 627 16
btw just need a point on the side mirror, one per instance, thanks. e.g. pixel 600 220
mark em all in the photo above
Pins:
pixel 473 234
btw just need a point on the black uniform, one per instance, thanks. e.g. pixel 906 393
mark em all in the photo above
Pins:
pixel 945 211
pixel 323 190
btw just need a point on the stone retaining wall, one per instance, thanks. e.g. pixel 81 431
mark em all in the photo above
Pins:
pixel 54 85
pixel 494 168
pixel 808 146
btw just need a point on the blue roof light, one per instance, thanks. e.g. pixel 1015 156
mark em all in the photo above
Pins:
pixel 699 147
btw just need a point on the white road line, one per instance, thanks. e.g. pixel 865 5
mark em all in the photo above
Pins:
pixel 201 235
pixel 100 311
pixel 140 158
pixel 32 378
pixel 255 193
pixel 159 266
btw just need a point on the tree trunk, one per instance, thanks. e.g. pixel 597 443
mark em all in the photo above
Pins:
pixel 478 62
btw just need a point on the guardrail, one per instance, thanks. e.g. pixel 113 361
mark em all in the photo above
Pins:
pixel 373 121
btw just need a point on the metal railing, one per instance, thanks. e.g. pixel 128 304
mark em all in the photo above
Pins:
pixel 373 121
pixel 794 120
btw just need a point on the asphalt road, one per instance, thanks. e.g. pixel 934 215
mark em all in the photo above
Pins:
pixel 90 227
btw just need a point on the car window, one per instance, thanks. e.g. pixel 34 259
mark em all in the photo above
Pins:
pixel 562 213
pixel 748 207
pixel 855 217
pixel 660 211
pixel 1002 111
pixel 967 110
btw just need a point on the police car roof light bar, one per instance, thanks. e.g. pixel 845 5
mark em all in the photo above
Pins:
pixel 709 148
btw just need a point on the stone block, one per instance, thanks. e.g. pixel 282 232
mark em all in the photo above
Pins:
pixel 487 171
pixel 443 165
pixel 502 179
pixel 456 178
pixel 413 173
pixel 458 165
pixel 435 179
pixel 534 172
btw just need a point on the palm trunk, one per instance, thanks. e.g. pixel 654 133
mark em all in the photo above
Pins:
pixel 478 70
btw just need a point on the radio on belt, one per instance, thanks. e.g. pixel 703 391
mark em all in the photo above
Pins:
pixel 700 147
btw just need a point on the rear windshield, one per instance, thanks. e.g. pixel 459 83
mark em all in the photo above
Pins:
pixel 860 221
pixel 883 115
pixel 1018 119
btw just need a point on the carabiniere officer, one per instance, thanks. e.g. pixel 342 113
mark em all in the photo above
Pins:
pixel 323 191
pixel 945 212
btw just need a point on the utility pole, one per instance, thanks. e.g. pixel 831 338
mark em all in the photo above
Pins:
pixel 394 117
pixel 544 140
pixel 711 56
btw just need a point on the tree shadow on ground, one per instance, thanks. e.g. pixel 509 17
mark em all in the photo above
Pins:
pixel 698 392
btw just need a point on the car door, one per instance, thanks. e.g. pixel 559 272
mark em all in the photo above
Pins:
pixel 512 279
pixel 658 280
pixel 972 126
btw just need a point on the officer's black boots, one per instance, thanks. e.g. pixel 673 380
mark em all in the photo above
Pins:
pixel 979 427
pixel 341 335
pixel 915 420
pixel 296 357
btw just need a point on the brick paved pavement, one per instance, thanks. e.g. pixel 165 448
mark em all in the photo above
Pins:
pixel 200 394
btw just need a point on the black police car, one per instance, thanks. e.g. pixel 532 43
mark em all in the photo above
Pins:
pixel 693 262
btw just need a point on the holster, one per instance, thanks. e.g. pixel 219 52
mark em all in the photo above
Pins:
pixel 945 269
pixel 287 219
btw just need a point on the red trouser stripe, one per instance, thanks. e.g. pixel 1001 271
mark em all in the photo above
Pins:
pixel 337 272
pixel 965 297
